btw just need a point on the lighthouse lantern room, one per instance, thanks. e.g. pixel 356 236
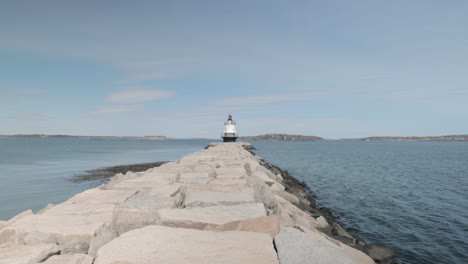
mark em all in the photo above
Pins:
pixel 229 134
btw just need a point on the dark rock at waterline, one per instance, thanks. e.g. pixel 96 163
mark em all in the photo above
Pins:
pixel 381 253
pixel 105 173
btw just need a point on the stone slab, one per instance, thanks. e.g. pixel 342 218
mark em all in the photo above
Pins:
pixel 178 245
pixel 213 198
pixel 4 224
pixel 194 178
pixel 237 172
pixel 265 224
pixel 198 218
pixel 294 246
pixel 98 195
pixel 17 217
pixel 70 259
pixel 219 188
pixel 228 181
pixel 139 211
pixel 260 174
pixel 21 254
pixel 63 227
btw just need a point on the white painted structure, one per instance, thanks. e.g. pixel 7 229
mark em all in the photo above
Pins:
pixel 229 134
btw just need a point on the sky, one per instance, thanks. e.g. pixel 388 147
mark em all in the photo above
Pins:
pixel 335 69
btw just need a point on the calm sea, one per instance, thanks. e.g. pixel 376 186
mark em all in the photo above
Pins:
pixel 34 172
pixel 412 196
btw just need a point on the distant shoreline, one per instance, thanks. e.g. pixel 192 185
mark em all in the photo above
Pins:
pixel 265 137
pixel 281 137
pixel 84 137
pixel 448 138
pixel 286 137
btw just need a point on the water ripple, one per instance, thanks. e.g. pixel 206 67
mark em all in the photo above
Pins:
pixel 412 196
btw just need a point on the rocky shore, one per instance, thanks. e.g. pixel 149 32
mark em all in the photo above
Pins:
pixel 219 205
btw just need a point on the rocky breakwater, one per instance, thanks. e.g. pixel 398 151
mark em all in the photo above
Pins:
pixel 219 205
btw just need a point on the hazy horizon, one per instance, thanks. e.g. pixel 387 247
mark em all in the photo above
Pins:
pixel 170 137
pixel 334 69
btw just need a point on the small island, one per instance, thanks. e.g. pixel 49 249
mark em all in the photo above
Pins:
pixel 448 138
pixel 281 137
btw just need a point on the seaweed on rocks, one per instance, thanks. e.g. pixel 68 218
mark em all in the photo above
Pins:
pixel 105 173
pixel 380 253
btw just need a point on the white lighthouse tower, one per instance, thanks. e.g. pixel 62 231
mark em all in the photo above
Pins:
pixel 229 134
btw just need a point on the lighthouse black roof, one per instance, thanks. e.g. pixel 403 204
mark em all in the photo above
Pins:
pixel 229 117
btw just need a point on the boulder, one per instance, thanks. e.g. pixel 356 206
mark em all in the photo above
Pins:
pixel 338 230
pixel 264 224
pixel 270 174
pixel 92 209
pixel 262 194
pixel 204 168
pixel 19 216
pixel 98 195
pixel 77 245
pixel 102 236
pixel 294 246
pixel 175 168
pixel 322 223
pixel 118 178
pixel 37 237
pixel 357 256
pixel 380 252
pixel 277 187
pixel 287 196
pixel 299 217
pixel 194 197
pixel 139 211
pixel 235 172
pixel 179 245
pixel 219 187
pixel 69 259
pixel 194 178
pixel 228 181
pixel 4 224
pixel 148 180
pixel 165 190
pixel 47 207
pixel 279 177
pixel 198 218
pixel 8 236
pixel 64 228
pixel 27 254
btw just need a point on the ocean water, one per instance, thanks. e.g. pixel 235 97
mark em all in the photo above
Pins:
pixel 34 172
pixel 412 196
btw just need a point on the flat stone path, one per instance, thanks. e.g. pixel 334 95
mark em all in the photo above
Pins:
pixel 218 205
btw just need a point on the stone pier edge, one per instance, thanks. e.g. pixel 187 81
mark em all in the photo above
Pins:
pixel 129 207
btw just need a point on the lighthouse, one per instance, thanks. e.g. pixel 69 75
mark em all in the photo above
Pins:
pixel 229 134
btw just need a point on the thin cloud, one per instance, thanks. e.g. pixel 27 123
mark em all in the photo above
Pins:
pixel 116 110
pixel 153 70
pixel 138 95
pixel 266 99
